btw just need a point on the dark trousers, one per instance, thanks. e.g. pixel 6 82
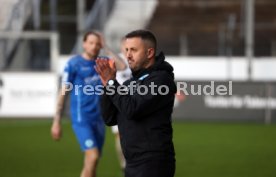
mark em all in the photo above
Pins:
pixel 151 168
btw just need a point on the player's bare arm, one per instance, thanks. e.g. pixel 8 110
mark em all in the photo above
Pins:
pixel 56 129
pixel 119 62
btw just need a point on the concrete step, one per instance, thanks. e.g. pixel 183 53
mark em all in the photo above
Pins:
pixel 127 16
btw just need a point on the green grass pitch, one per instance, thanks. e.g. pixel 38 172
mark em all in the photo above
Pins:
pixel 202 150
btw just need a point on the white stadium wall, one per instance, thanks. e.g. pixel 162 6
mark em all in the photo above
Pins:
pixel 28 95
pixel 35 94
pixel 251 99
pixel 222 68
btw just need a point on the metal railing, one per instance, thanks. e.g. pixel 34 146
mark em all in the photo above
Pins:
pixel 52 36
pixel 20 11
pixel 95 19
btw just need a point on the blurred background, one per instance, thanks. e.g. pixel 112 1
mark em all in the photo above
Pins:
pixel 229 42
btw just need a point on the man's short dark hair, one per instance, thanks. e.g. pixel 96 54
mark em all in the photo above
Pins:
pixel 88 33
pixel 144 35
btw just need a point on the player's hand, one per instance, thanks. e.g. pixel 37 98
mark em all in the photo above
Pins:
pixel 106 69
pixel 56 131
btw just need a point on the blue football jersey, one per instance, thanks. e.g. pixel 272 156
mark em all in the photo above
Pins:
pixel 80 74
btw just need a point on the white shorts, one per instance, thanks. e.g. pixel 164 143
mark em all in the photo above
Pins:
pixel 115 129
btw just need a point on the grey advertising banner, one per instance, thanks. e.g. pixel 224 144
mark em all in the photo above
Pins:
pixel 226 101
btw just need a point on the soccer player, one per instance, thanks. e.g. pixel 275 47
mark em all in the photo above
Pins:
pixel 79 73
pixel 143 111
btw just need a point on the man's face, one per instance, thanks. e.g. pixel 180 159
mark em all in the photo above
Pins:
pixel 92 46
pixel 136 53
